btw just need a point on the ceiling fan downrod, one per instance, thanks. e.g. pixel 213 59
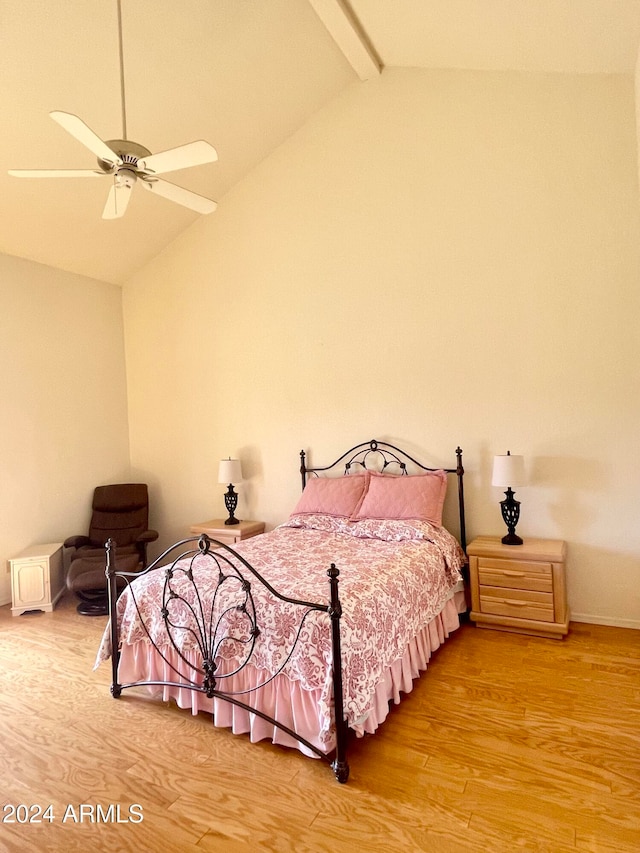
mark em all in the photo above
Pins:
pixel 121 51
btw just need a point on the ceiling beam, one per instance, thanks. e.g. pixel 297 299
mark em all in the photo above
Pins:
pixel 346 31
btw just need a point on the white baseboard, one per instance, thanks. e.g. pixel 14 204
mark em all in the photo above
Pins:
pixel 603 620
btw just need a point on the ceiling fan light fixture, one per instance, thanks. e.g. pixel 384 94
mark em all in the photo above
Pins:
pixel 125 178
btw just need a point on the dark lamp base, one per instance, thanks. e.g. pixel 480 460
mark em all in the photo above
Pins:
pixel 510 515
pixel 231 502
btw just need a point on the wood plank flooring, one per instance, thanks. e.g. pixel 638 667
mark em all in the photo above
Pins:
pixel 509 743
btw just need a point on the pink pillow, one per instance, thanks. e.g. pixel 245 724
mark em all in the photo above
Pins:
pixel 338 496
pixel 420 496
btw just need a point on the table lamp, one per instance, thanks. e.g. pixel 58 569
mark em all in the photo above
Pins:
pixel 230 472
pixel 509 471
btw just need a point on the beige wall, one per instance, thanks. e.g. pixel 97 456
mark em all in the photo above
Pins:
pixel 64 426
pixel 436 258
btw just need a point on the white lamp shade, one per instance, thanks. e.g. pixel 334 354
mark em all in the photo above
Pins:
pixel 230 471
pixel 508 470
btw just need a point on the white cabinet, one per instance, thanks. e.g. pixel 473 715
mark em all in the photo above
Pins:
pixel 37 578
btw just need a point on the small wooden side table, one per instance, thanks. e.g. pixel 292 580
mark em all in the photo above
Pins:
pixel 228 534
pixel 37 578
pixel 519 588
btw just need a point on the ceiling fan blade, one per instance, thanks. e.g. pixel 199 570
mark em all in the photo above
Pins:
pixel 78 129
pixel 192 154
pixel 56 173
pixel 181 196
pixel 117 201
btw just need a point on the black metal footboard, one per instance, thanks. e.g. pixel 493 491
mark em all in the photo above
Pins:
pixel 223 624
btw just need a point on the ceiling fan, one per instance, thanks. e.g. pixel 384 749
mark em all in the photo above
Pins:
pixel 128 163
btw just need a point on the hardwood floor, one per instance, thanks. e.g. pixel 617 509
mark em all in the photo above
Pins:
pixel 509 743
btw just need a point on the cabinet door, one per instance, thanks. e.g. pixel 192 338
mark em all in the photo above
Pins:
pixel 31 582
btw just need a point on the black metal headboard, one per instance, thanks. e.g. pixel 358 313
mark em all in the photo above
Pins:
pixel 384 456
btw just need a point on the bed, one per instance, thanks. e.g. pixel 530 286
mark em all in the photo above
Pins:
pixel 303 635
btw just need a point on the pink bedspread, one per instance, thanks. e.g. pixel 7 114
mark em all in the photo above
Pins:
pixel 286 700
pixel 397 580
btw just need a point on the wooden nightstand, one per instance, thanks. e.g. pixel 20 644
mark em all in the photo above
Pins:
pixel 228 534
pixel 519 588
pixel 37 578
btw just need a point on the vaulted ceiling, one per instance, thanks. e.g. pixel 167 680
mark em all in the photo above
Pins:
pixel 243 75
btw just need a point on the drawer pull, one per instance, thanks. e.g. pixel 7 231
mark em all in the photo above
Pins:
pixel 512 574
pixel 515 602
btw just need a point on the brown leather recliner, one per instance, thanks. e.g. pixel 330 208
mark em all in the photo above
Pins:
pixel 120 512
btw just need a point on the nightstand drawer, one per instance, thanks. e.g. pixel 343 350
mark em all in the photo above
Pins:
pixel 515 575
pixel 520 603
